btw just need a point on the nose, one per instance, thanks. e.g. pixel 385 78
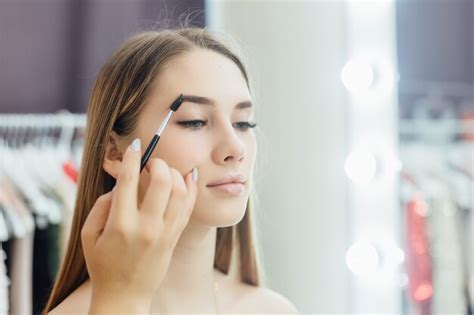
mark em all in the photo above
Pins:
pixel 230 147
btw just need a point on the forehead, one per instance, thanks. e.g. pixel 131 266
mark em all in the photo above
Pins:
pixel 206 73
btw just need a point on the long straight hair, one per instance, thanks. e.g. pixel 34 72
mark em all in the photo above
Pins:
pixel 120 92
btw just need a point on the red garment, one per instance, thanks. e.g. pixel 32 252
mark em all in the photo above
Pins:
pixel 419 261
pixel 70 170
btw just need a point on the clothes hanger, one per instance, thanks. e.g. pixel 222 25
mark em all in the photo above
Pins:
pixel 64 188
pixel 14 205
pixel 4 234
pixel 15 169
pixel 11 216
pixel 11 219
pixel 46 171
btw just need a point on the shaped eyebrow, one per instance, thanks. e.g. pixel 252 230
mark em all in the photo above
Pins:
pixel 201 100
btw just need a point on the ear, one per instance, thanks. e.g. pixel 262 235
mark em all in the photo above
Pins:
pixel 113 156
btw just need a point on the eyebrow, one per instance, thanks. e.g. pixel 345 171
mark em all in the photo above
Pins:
pixel 201 100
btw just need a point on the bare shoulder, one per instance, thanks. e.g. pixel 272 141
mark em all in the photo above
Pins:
pixel 262 299
pixel 75 303
pixel 270 301
pixel 275 301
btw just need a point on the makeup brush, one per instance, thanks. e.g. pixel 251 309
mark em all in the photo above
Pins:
pixel 173 108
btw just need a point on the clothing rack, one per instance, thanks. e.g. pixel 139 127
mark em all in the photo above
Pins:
pixel 424 126
pixel 67 122
pixel 37 197
pixel 436 148
pixel 446 88
pixel 60 119
pixel 438 155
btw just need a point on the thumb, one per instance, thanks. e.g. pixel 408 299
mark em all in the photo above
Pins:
pixel 96 219
pixel 192 180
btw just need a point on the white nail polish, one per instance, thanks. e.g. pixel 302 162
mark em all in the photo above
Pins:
pixel 195 174
pixel 136 144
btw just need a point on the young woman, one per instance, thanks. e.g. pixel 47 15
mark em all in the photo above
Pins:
pixel 162 240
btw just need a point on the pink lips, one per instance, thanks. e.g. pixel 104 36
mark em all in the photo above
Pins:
pixel 229 178
pixel 230 188
pixel 232 183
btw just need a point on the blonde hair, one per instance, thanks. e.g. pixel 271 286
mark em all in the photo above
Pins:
pixel 119 94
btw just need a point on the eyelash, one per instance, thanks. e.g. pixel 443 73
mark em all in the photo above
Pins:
pixel 190 124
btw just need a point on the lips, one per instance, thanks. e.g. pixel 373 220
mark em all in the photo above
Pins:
pixel 232 178
pixel 235 189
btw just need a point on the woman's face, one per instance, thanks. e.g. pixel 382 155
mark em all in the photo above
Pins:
pixel 219 145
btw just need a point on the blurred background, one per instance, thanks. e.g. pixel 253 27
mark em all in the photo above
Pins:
pixel 367 114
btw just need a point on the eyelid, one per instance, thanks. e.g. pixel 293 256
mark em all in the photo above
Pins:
pixel 189 117
pixel 250 124
pixel 207 110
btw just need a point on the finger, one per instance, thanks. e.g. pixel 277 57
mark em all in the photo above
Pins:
pixel 189 200
pixel 159 189
pixel 124 199
pixel 177 203
pixel 96 219
pixel 192 180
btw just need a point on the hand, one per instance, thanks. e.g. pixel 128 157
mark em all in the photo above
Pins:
pixel 128 250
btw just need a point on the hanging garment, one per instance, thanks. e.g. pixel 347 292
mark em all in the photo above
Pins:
pixel 33 253
pixel 4 283
pixel 462 188
pixel 45 264
pixel 446 252
pixel 16 211
pixel 3 225
pixel 418 256
pixel 21 254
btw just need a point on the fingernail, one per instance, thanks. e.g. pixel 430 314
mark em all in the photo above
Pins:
pixel 136 144
pixel 195 174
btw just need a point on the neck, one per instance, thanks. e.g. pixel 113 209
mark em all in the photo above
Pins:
pixel 189 281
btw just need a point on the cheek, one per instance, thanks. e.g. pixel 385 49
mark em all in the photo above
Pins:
pixel 181 151
pixel 251 144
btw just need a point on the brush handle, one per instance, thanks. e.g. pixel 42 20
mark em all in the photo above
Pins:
pixel 148 151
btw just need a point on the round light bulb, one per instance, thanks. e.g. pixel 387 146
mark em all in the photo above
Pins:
pixel 357 76
pixel 362 258
pixel 360 167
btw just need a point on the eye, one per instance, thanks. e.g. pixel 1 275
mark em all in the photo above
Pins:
pixel 191 124
pixel 196 124
pixel 245 125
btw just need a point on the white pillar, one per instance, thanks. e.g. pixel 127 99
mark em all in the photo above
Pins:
pixel 370 75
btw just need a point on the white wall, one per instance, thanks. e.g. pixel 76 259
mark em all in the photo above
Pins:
pixel 296 51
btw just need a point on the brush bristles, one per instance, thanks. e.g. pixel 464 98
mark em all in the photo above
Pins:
pixel 177 103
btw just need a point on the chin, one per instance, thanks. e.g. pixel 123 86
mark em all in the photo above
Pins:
pixel 220 213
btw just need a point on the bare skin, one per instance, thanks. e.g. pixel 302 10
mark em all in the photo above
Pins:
pixel 233 297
